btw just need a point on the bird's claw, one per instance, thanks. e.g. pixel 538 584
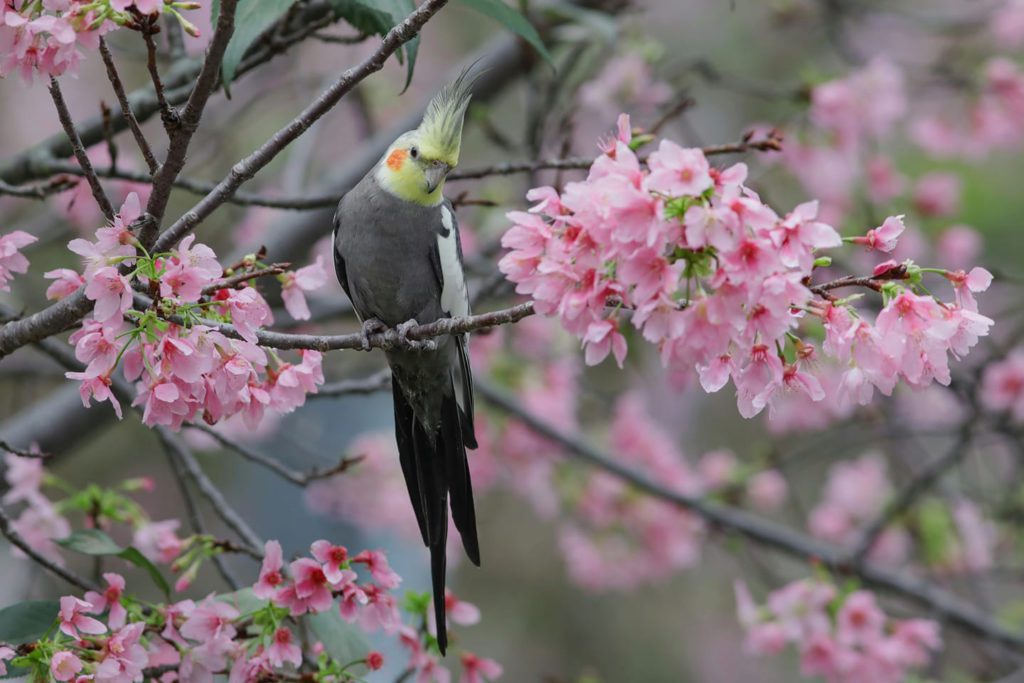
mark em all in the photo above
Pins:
pixel 371 326
pixel 403 330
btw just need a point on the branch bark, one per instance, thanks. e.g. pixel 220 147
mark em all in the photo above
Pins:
pixel 771 535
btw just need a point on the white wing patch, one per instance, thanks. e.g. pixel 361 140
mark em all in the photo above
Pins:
pixel 454 296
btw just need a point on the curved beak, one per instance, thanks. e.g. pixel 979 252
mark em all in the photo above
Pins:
pixel 435 176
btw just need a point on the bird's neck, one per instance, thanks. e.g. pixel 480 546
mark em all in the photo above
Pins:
pixel 408 185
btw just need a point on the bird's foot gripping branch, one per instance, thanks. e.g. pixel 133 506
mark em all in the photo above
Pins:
pixel 718 281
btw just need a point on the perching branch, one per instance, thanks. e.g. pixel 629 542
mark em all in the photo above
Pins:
pixel 769 534
pixel 389 339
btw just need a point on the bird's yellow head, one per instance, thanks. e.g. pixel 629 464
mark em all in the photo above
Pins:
pixel 416 164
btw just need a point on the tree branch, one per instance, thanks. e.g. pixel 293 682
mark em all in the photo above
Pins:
pixel 185 126
pixel 76 145
pixel 769 534
pixel 209 490
pixel 248 167
pixel 16 540
pixel 296 477
pixel 173 447
pixel 907 496
pixel 126 108
pixel 582 163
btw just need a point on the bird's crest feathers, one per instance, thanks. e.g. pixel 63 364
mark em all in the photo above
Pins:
pixel 440 133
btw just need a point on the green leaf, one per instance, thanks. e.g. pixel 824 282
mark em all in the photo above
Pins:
pixel 26 621
pixel 342 641
pixel 513 21
pixel 251 20
pixel 377 17
pixel 90 542
pixel 95 542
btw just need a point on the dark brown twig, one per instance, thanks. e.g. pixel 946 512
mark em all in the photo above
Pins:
pixel 167 113
pixel 21 452
pixel 126 107
pixel 76 144
pixel 239 278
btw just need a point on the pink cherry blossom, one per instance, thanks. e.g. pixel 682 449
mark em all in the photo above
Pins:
pixel 380 569
pixel 310 592
pixel 73 618
pixel 282 648
pixel 65 665
pixel 295 284
pixel 271 578
pixel 478 669
pixel 24 476
pixel 110 599
pixel 111 291
pixel 66 282
pixel 211 619
pixel 124 658
pixel 767 490
pixel 884 237
pixel 677 172
pixel 11 259
pixel 1002 385
pixel 332 557
pixel 6 654
pixel 937 194
pixel 158 540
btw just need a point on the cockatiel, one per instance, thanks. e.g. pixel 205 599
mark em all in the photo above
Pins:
pixel 398 256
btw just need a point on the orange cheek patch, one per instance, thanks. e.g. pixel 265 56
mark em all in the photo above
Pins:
pixel 396 159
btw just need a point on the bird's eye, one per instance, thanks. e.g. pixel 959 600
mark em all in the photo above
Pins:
pixel 435 163
pixel 414 153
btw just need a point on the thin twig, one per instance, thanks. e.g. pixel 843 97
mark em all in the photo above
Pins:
pixel 173 448
pixel 767 533
pixel 188 121
pixel 22 452
pixel 209 490
pixel 126 107
pixel 581 163
pixel 15 539
pixel 280 469
pixel 168 115
pixel 343 40
pixel 76 144
pixel 54 185
pixel 239 278
pixel 907 496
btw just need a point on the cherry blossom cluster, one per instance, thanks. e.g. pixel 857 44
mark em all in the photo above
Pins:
pixel 953 536
pixel 720 283
pixel 183 368
pixel 47 38
pixel 43 519
pixel 111 637
pixel 843 637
